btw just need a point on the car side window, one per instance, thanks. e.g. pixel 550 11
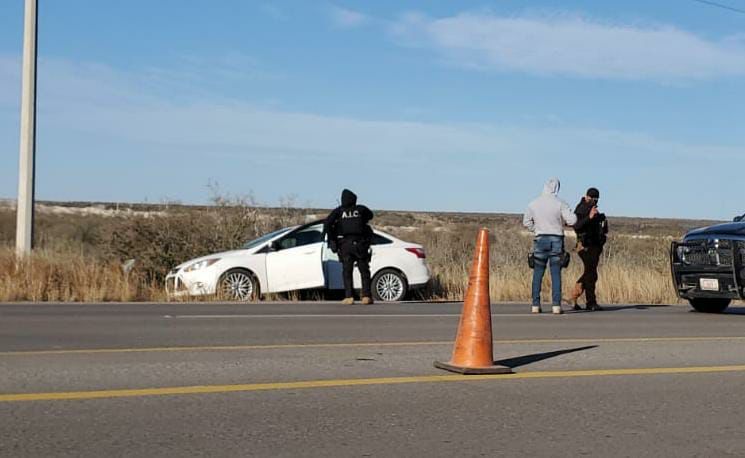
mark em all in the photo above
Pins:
pixel 380 240
pixel 304 237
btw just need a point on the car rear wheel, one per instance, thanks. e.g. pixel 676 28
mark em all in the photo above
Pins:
pixel 710 305
pixel 238 285
pixel 389 285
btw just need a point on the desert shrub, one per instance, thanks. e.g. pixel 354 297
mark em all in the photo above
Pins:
pixel 7 226
pixel 160 242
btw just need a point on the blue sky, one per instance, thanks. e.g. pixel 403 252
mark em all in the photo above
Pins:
pixel 461 106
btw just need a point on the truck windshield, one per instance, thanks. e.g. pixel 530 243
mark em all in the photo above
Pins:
pixel 264 238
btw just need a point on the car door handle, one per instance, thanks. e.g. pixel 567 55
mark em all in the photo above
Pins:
pixel 309 252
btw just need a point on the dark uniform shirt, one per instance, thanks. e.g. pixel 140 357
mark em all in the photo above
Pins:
pixel 590 231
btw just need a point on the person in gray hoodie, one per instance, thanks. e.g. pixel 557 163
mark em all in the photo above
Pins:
pixel 546 217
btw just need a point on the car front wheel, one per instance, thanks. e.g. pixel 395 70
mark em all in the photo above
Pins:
pixel 389 286
pixel 710 305
pixel 238 285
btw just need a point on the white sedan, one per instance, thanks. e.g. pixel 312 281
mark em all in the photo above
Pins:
pixel 298 258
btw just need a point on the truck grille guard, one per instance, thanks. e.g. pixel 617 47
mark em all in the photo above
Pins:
pixel 711 256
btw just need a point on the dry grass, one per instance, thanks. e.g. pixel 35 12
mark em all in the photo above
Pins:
pixel 633 271
pixel 80 255
pixel 67 277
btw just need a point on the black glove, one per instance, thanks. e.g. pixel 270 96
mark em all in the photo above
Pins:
pixel 333 247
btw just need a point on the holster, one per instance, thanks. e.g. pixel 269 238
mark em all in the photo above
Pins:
pixel 565 259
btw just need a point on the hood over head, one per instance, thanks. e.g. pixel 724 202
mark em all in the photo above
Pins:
pixel 552 186
pixel 348 198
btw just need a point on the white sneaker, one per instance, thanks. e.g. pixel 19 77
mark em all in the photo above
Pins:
pixel 556 309
pixel 535 309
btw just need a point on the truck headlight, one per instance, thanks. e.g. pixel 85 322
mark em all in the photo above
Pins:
pixel 681 253
pixel 200 265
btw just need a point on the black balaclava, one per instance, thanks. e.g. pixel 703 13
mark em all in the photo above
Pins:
pixel 348 198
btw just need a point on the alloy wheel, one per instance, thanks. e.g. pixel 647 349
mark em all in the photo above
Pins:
pixel 237 286
pixel 390 287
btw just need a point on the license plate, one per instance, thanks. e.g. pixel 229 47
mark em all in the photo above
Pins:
pixel 709 284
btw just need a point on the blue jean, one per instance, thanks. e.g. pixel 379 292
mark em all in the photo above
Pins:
pixel 547 250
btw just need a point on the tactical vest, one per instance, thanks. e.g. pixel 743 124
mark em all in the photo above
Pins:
pixel 350 223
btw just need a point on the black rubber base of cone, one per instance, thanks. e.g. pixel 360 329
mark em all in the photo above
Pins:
pixel 474 370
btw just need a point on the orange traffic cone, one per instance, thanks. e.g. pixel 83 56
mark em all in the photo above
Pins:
pixel 472 353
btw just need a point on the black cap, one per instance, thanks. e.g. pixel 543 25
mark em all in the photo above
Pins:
pixel 593 193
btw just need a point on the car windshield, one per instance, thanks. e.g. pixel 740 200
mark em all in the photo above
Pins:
pixel 264 238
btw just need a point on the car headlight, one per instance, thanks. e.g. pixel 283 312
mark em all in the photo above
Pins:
pixel 200 265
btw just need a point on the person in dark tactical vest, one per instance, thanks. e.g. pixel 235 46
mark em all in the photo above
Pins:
pixel 350 235
pixel 592 233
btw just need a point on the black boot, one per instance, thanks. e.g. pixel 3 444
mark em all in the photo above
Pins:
pixel 594 308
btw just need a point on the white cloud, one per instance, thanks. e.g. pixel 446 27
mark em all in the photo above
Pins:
pixel 102 100
pixel 115 127
pixel 573 45
pixel 98 99
pixel 346 18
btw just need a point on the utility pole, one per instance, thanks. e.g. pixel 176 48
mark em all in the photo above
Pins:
pixel 25 206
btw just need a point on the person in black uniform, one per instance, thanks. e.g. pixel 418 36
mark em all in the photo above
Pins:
pixel 350 235
pixel 592 230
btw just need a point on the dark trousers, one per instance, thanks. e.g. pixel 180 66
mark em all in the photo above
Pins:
pixel 353 251
pixel 590 259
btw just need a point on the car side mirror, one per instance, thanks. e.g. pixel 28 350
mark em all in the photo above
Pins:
pixel 738 219
pixel 274 246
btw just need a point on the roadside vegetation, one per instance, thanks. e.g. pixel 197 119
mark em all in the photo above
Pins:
pixel 110 252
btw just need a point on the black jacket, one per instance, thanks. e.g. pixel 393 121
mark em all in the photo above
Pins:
pixel 349 219
pixel 590 232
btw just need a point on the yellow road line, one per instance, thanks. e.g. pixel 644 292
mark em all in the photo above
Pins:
pixel 279 386
pixel 364 344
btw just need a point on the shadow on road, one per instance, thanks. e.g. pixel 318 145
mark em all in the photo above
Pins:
pixel 512 363
pixel 616 308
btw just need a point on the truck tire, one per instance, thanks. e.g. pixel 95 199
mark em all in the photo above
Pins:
pixel 710 305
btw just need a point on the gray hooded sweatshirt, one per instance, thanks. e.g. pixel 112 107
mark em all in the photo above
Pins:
pixel 548 215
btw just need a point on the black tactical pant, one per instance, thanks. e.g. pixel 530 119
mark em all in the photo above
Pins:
pixel 353 251
pixel 590 259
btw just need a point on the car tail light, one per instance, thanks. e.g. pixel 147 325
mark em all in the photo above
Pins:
pixel 418 252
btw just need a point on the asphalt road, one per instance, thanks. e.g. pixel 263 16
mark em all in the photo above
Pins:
pixel 321 379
